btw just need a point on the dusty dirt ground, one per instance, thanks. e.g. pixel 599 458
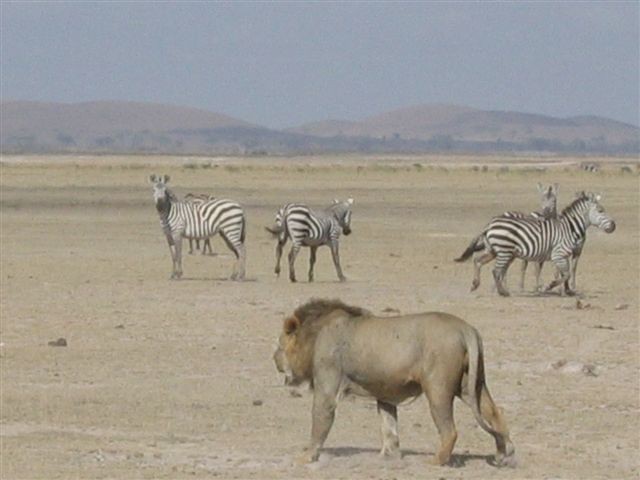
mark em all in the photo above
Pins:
pixel 174 379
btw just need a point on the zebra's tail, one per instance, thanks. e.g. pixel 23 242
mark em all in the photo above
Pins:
pixel 243 233
pixel 276 230
pixel 476 245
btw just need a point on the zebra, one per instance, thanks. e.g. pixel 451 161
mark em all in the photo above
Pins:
pixel 549 205
pixel 308 228
pixel 590 167
pixel 538 239
pixel 199 198
pixel 199 220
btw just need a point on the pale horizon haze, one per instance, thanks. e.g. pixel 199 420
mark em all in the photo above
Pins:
pixel 282 64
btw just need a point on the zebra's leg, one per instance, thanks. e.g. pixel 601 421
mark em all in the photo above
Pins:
pixel 293 253
pixel 312 262
pixel 241 262
pixel 499 271
pixel 478 262
pixel 177 263
pixel 573 269
pixel 172 251
pixel 279 247
pixel 335 253
pixel 523 270
pixel 191 246
pixel 538 271
pixel 562 264
pixel 207 246
pixel 237 247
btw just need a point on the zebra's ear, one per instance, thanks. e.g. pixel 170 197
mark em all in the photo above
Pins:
pixel 350 201
pixel 336 201
pixel 556 187
pixel 580 194
pixel 540 188
pixel 291 324
pixel 166 178
pixel 152 178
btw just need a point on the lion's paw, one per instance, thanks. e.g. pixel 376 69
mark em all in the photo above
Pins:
pixel 308 456
pixel 508 461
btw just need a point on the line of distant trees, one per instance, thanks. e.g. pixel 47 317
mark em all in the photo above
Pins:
pixel 255 140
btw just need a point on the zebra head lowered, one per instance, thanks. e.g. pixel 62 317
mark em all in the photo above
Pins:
pixel 342 213
pixel 548 200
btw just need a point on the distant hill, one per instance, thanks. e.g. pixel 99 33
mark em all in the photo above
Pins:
pixel 135 127
pixel 119 126
pixel 463 124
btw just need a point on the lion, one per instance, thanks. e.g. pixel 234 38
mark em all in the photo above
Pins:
pixel 341 349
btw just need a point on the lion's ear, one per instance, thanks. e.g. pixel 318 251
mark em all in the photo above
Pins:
pixel 291 324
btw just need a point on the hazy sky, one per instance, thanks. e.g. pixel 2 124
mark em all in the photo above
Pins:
pixel 285 63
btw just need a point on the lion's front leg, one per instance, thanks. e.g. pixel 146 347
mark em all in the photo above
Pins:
pixel 323 413
pixel 389 428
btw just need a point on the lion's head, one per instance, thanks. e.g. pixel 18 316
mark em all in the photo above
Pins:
pixel 294 355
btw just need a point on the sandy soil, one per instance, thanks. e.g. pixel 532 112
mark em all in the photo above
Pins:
pixel 164 379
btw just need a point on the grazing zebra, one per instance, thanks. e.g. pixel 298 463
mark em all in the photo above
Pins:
pixel 548 204
pixel 538 239
pixel 199 220
pixel 199 198
pixel 590 167
pixel 307 228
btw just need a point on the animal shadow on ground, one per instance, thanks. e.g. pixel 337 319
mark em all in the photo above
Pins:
pixel 214 279
pixel 457 459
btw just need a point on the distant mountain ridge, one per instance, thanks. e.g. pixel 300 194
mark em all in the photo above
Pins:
pixel 138 127
pixel 468 124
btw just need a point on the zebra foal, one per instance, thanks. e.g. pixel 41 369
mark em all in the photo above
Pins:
pixel 199 220
pixel 199 198
pixel 548 209
pixel 539 240
pixel 308 228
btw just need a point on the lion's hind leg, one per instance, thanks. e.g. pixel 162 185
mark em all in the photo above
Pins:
pixel 493 415
pixel 493 418
pixel 441 404
pixel 389 428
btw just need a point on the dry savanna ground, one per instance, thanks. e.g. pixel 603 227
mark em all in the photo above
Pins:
pixel 174 379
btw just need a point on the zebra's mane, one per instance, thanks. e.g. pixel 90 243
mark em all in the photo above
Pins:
pixel 578 204
pixel 337 208
pixel 172 196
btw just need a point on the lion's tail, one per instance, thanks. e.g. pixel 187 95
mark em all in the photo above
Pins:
pixel 475 377
pixel 476 245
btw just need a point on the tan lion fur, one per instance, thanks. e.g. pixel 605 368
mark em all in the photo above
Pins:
pixel 341 349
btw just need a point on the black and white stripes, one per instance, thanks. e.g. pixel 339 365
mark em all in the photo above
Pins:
pixel 538 240
pixel 199 220
pixel 308 228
